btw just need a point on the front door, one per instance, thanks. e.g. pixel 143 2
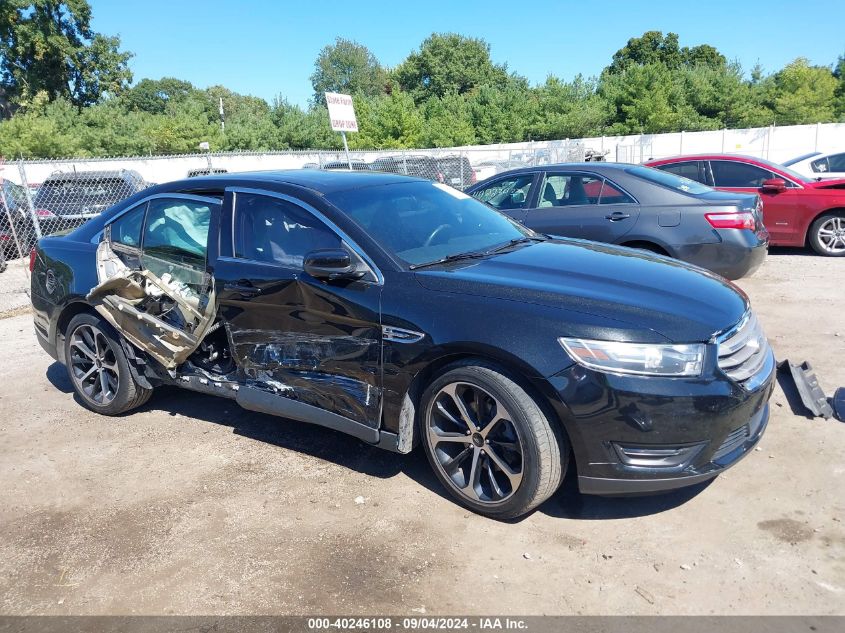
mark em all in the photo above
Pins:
pixel 296 339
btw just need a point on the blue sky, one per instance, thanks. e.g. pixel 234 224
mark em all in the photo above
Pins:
pixel 266 48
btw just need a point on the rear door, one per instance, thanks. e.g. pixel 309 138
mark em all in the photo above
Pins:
pixel 302 344
pixel 782 210
pixel 571 204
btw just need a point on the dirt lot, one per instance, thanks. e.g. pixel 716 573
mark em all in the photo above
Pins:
pixel 192 505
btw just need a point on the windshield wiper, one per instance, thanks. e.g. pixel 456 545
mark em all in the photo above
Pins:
pixel 515 241
pixel 449 258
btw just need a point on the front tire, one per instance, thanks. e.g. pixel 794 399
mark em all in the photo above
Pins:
pixel 489 442
pixel 827 234
pixel 98 369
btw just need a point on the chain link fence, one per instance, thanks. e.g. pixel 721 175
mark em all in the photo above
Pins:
pixel 45 197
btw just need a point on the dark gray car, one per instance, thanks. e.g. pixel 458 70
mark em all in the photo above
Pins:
pixel 635 206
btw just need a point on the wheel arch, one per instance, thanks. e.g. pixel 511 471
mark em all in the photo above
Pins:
pixel 68 312
pixel 832 210
pixel 540 390
pixel 649 245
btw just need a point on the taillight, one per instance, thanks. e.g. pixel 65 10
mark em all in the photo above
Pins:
pixel 32 259
pixel 44 213
pixel 731 220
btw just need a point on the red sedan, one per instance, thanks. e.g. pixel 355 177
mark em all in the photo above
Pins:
pixel 797 211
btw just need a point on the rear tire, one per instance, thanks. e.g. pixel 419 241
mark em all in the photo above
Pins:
pixel 98 369
pixel 489 442
pixel 827 234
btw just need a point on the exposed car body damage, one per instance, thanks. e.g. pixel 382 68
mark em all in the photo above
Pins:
pixel 296 365
pixel 340 299
pixel 162 316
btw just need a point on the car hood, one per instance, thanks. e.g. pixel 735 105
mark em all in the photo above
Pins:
pixel 827 183
pixel 635 290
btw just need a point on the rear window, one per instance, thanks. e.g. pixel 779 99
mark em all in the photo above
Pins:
pixel 105 189
pixel 665 179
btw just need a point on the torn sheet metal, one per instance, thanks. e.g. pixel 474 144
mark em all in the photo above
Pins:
pixel 162 316
pixel 807 384
pixel 300 366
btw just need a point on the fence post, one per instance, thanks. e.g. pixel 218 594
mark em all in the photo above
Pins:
pixel 25 183
pixel 682 142
pixel 724 130
pixel 461 161
pixel 816 144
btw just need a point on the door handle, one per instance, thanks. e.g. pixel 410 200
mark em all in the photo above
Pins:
pixel 617 215
pixel 243 287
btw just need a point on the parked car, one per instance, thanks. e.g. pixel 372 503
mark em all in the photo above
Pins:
pixel 16 226
pixel 419 166
pixel 343 165
pixel 818 166
pixel 487 168
pixel 205 171
pixel 635 206
pixel 66 200
pixel 390 308
pixel 797 211
pixel 457 171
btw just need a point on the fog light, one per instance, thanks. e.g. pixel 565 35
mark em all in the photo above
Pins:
pixel 664 457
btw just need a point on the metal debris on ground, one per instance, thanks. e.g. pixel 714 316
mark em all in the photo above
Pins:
pixel 807 385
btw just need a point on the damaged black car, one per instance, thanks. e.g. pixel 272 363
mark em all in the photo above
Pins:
pixel 404 312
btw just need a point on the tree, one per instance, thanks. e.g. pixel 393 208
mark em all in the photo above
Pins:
pixel 387 122
pixel 48 46
pixel 154 95
pixel 446 63
pixel 349 68
pixel 653 48
pixel 448 122
pixel 569 110
pixel 804 93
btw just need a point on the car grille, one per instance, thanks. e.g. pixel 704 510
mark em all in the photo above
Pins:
pixel 744 353
pixel 734 440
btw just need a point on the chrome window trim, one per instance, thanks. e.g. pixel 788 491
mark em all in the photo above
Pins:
pixel 794 185
pixel 95 239
pixel 309 209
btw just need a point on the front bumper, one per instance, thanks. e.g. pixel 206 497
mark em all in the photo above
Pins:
pixel 635 434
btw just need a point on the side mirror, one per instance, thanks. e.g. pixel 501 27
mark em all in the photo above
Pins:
pixel 331 264
pixel 518 197
pixel 774 184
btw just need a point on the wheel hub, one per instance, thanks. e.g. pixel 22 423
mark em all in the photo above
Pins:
pixel 475 443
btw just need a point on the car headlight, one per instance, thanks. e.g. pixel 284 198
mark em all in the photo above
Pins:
pixel 636 358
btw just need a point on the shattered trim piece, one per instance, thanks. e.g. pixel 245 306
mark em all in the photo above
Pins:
pixel 807 384
pixel 400 335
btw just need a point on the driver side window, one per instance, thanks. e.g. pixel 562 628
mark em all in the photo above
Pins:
pixel 508 193
pixel 562 190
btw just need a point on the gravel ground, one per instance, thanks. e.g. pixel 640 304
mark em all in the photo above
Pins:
pixel 191 505
pixel 14 287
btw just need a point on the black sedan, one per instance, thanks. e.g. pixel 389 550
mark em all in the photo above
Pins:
pixel 635 206
pixel 404 312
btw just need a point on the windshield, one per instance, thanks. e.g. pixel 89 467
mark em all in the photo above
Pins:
pixel 421 222
pixel 798 159
pixel 678 183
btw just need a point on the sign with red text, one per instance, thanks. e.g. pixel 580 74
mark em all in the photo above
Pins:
pixel 341 112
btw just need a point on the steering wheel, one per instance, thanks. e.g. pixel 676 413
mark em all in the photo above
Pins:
pixel 436 232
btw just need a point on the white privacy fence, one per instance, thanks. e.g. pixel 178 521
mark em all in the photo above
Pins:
pixel 44 196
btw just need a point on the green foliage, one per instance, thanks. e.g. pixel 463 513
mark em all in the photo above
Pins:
pixel 448 62
pixel 349 68
pixel 447 93
pixel 804 93
pixel 48 46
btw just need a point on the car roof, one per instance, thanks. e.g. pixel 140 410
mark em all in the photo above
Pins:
pixel 683 157
pixel 798 159
pixel 594 166
pixel 91 175
pixel 319 181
